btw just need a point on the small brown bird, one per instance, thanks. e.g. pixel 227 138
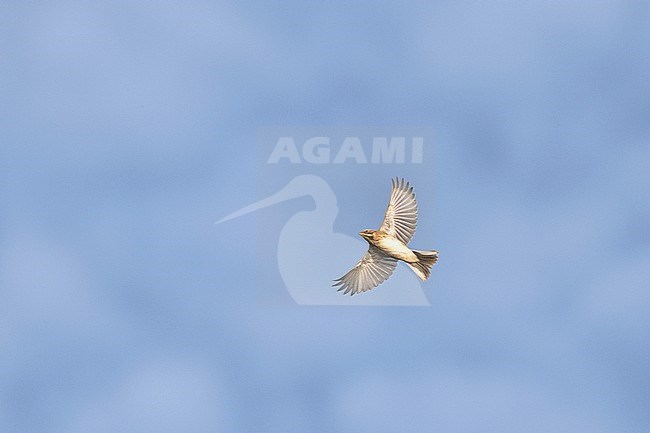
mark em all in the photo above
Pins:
pixel 388 245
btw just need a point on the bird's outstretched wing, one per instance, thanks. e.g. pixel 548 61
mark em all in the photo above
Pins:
pixel 402 212
pixel 373 269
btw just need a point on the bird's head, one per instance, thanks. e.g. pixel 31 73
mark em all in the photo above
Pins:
pixel 366 234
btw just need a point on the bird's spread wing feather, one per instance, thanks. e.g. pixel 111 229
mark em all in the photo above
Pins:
pixel 402 212
pixel 373 269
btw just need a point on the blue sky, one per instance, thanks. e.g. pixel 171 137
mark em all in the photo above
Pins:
pixel 128 128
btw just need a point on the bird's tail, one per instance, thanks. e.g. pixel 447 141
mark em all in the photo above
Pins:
pixel 426 259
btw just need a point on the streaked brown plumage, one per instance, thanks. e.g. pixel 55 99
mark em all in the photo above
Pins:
pixel 389 244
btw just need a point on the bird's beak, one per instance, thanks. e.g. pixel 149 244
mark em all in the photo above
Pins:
pixel 280 196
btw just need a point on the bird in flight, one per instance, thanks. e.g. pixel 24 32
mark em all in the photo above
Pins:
pixel 389 244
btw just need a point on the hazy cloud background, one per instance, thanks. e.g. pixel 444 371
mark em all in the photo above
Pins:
pixel 128 128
